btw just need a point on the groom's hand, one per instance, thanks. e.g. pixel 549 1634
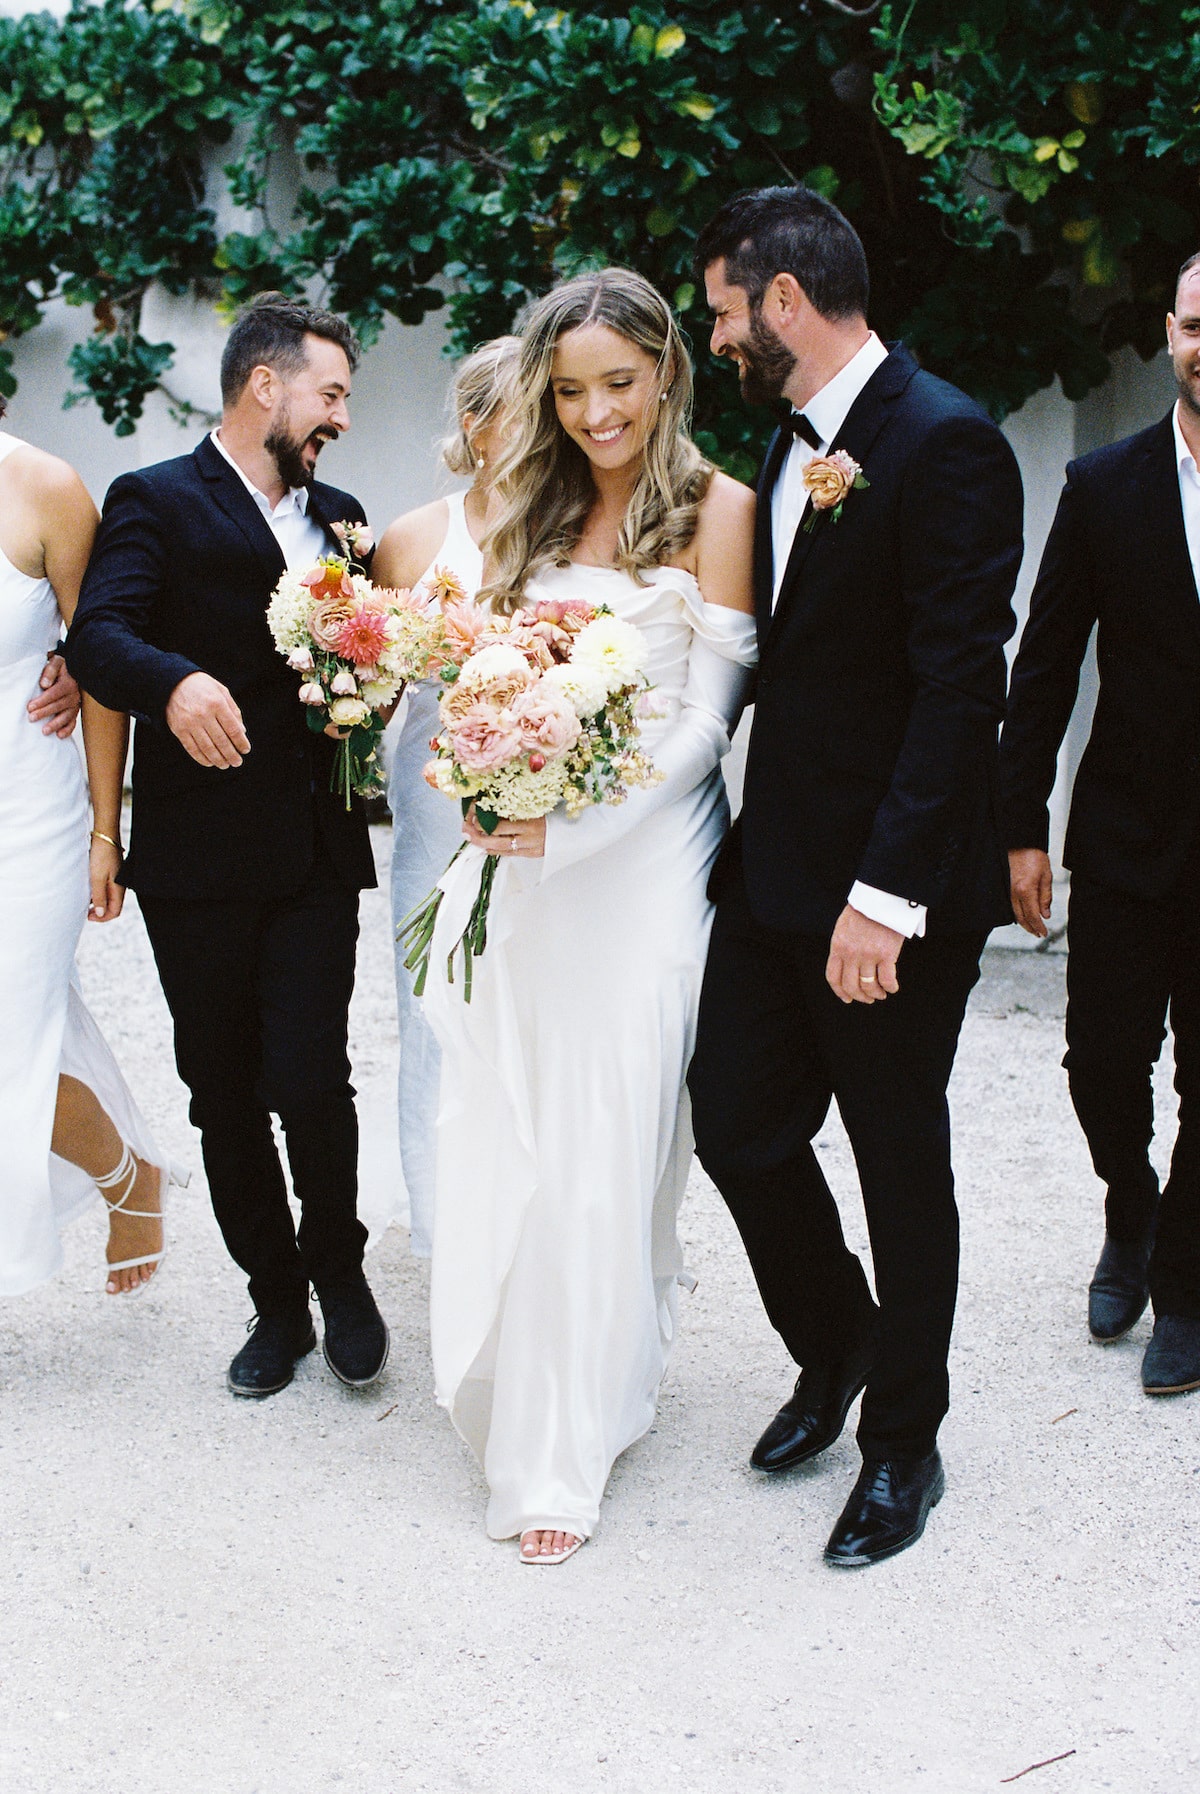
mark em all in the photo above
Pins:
pixel 201 712
pixel 862 959
pixel 1031 885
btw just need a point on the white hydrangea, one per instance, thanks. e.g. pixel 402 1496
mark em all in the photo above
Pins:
pixel 584 686
pixel 523 796
pixel 287 613
pixel 611 647
pixel 498 661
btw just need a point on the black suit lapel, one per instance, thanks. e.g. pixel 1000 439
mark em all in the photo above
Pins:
pixel 228 491
pixel 864 420
pixel 1158 506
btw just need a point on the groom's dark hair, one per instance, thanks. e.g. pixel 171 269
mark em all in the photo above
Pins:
pixel 270 332
pixel 767 231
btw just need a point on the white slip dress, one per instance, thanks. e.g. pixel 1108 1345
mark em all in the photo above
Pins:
pixel 426 833
pixel 47 1029
pixel 564 1137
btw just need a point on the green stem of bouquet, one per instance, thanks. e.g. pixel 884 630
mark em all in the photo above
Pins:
pixel 416 932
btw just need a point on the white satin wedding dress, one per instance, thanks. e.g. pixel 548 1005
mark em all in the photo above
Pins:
pixel 564 1136
pixel 43 902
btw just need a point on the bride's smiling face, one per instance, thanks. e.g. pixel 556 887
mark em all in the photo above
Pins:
pixel 606 393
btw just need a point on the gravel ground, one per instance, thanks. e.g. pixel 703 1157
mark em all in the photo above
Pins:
pixel 297 1596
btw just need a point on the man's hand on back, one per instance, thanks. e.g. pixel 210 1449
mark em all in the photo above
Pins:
pixel 204 717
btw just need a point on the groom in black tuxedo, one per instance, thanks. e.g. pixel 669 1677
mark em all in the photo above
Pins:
pixel 1124 557
pixel 246 866
pixel 856 890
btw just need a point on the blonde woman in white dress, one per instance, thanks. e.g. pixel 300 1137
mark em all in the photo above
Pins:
pixel 70 1127
pixel 564 1136
pixel 419 550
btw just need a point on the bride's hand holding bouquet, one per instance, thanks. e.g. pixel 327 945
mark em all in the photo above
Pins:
pixel 539 709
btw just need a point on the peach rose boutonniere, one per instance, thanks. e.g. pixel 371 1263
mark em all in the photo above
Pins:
pixel 830 479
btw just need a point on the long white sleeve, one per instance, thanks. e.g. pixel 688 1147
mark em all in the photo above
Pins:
pixel 718 678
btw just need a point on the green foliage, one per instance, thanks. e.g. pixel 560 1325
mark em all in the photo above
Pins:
pixel 1023 172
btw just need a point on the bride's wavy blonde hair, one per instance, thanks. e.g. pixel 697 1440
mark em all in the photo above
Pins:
pixel 543 484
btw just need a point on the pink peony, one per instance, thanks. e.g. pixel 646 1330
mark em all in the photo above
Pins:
pixel 363 636
pixel 484 739
pixel 463 624
pixel 546 721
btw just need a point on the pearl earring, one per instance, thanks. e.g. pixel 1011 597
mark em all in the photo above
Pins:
pixel 480 463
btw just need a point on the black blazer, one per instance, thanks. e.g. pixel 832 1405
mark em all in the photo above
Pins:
pixel 1117 556
pixel 180 576
pixel 881 679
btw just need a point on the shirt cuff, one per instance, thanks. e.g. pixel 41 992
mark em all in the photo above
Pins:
pixel 900 913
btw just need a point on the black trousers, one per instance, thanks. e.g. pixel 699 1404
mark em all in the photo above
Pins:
pixel 1131 962
pixel 774 1046
pixel 259 992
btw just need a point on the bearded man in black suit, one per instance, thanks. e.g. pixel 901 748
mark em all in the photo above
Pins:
pixel 246 865
pixel 1123 557
pixel 856 889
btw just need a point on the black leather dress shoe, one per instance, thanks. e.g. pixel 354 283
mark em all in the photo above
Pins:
pixel 816 1412
pixel 1171 1365
pixel 356 1339
pixel 1119 1290
pixel 887 1509
pixel 267 1361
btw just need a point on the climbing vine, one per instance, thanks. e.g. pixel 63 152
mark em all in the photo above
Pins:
pixel 1023 172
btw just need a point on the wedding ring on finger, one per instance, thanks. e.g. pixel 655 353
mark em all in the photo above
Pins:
pixel 867 978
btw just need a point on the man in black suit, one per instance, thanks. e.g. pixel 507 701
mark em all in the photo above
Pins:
pixel 1124 554
pixel 246 866
pixel 857 888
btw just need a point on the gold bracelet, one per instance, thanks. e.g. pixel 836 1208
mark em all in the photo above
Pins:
pixel 98 835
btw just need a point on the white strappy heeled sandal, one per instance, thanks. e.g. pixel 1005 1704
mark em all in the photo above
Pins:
pixel 127 1168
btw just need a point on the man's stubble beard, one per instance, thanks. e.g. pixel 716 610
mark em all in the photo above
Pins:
pixel 767 364
pixel 285 451
pixel 1187 394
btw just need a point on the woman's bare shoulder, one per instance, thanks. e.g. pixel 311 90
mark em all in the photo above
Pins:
pixel 726 501
pixel 410 542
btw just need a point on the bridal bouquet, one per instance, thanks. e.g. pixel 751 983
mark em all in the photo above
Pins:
pixel 355 645
pixel 539 709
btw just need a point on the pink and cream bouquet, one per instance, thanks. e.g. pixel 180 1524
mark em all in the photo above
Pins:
pixel 539 709
pixel 354 646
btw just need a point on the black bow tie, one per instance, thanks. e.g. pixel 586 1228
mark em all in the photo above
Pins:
pixel 802 428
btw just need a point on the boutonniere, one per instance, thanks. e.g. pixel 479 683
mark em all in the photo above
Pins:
pixel 830 479
pixel 355 538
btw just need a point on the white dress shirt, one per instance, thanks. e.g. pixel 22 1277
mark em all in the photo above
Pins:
pixel 300 536
pixel 1189 494
pixel 827 411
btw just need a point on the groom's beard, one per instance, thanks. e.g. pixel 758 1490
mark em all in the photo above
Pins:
pixel 766 364
pixel 287 450
pixel 1189 391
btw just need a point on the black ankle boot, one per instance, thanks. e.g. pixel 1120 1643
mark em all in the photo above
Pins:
pixel 267 1361
pixel 1120 1289
pixel 356 1338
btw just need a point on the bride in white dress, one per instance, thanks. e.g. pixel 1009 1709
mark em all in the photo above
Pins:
pixel 564 1136
pixel 69 1125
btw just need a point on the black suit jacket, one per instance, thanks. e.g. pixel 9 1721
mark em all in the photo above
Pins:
pixel 1117 556
pixel 179 580
pixel 881 679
